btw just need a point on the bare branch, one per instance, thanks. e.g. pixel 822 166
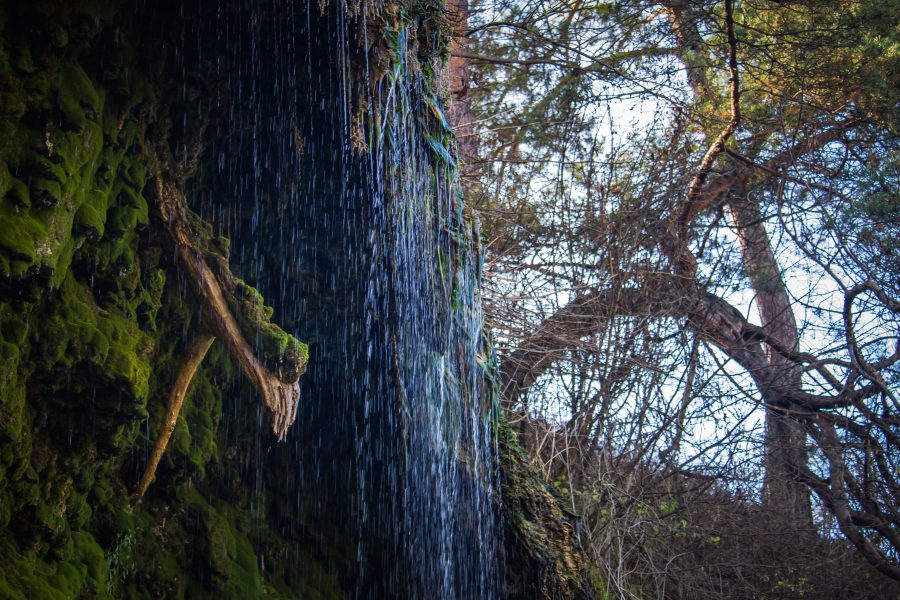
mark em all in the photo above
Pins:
pixel 194 353
pixel 279 396
pixel 692 206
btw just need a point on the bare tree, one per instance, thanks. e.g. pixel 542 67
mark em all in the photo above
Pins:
pixel 731 255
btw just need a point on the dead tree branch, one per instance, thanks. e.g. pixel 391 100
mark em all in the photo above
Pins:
pixel 193 355
pixel 279 390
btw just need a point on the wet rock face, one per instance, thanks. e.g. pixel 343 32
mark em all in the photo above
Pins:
pixel 92 322
pixel 81 287
pixel 355 233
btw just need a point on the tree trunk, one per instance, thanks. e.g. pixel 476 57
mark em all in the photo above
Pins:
pixel 459 113
pixel 786 449
pixel 785 443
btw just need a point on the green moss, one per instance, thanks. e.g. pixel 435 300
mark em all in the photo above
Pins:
pixel 49 192
pixel 13 345
pixel 202 410
pixel 63 261
pixel 88 340
pixel 12 328
pixel 18 235
pixel 540 532
pixel 130 211
pixel 78 100
pixel 9 352
pixel 12 409
pixel 225 550
pixel 6 179
pixel 77 330
pixel 124 364
pixel 79 513
pixel 281 351
pixel 90 221
pixel 12 101
pixel 18 194
pixel 26 576
pixel 91 555
pixel 46 182
pixel 134 172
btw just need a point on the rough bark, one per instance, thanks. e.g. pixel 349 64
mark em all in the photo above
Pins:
pixel 709 316
pixel 684 17
pixel 459 113
pixel 785 437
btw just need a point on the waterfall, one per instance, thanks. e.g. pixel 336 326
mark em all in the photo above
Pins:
pixel 335 178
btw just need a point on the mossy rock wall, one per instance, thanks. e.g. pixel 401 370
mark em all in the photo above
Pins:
pixel 543 556
pixel 92 323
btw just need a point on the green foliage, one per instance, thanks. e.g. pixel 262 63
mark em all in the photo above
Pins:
pixel 121 560
pixel 838 54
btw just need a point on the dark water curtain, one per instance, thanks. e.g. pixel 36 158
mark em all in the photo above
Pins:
pixel 327 160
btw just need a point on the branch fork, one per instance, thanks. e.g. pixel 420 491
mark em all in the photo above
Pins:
pixel 211 283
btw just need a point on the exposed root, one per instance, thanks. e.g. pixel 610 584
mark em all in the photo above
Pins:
pixel 280 390
pixel 193 355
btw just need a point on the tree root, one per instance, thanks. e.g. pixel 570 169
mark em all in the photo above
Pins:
pixel 222 300
pixel 280 393
pixel 193 355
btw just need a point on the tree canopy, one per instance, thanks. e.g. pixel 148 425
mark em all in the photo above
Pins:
pixel 691 210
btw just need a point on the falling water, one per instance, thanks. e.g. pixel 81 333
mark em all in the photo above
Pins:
pixel 334 178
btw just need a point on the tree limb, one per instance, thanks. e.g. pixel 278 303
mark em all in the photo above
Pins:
pixel 280 391
pixel 691 206
pixel 706 315
pixel 193 355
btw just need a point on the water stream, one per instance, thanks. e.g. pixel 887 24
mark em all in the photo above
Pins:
pixel 335 181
